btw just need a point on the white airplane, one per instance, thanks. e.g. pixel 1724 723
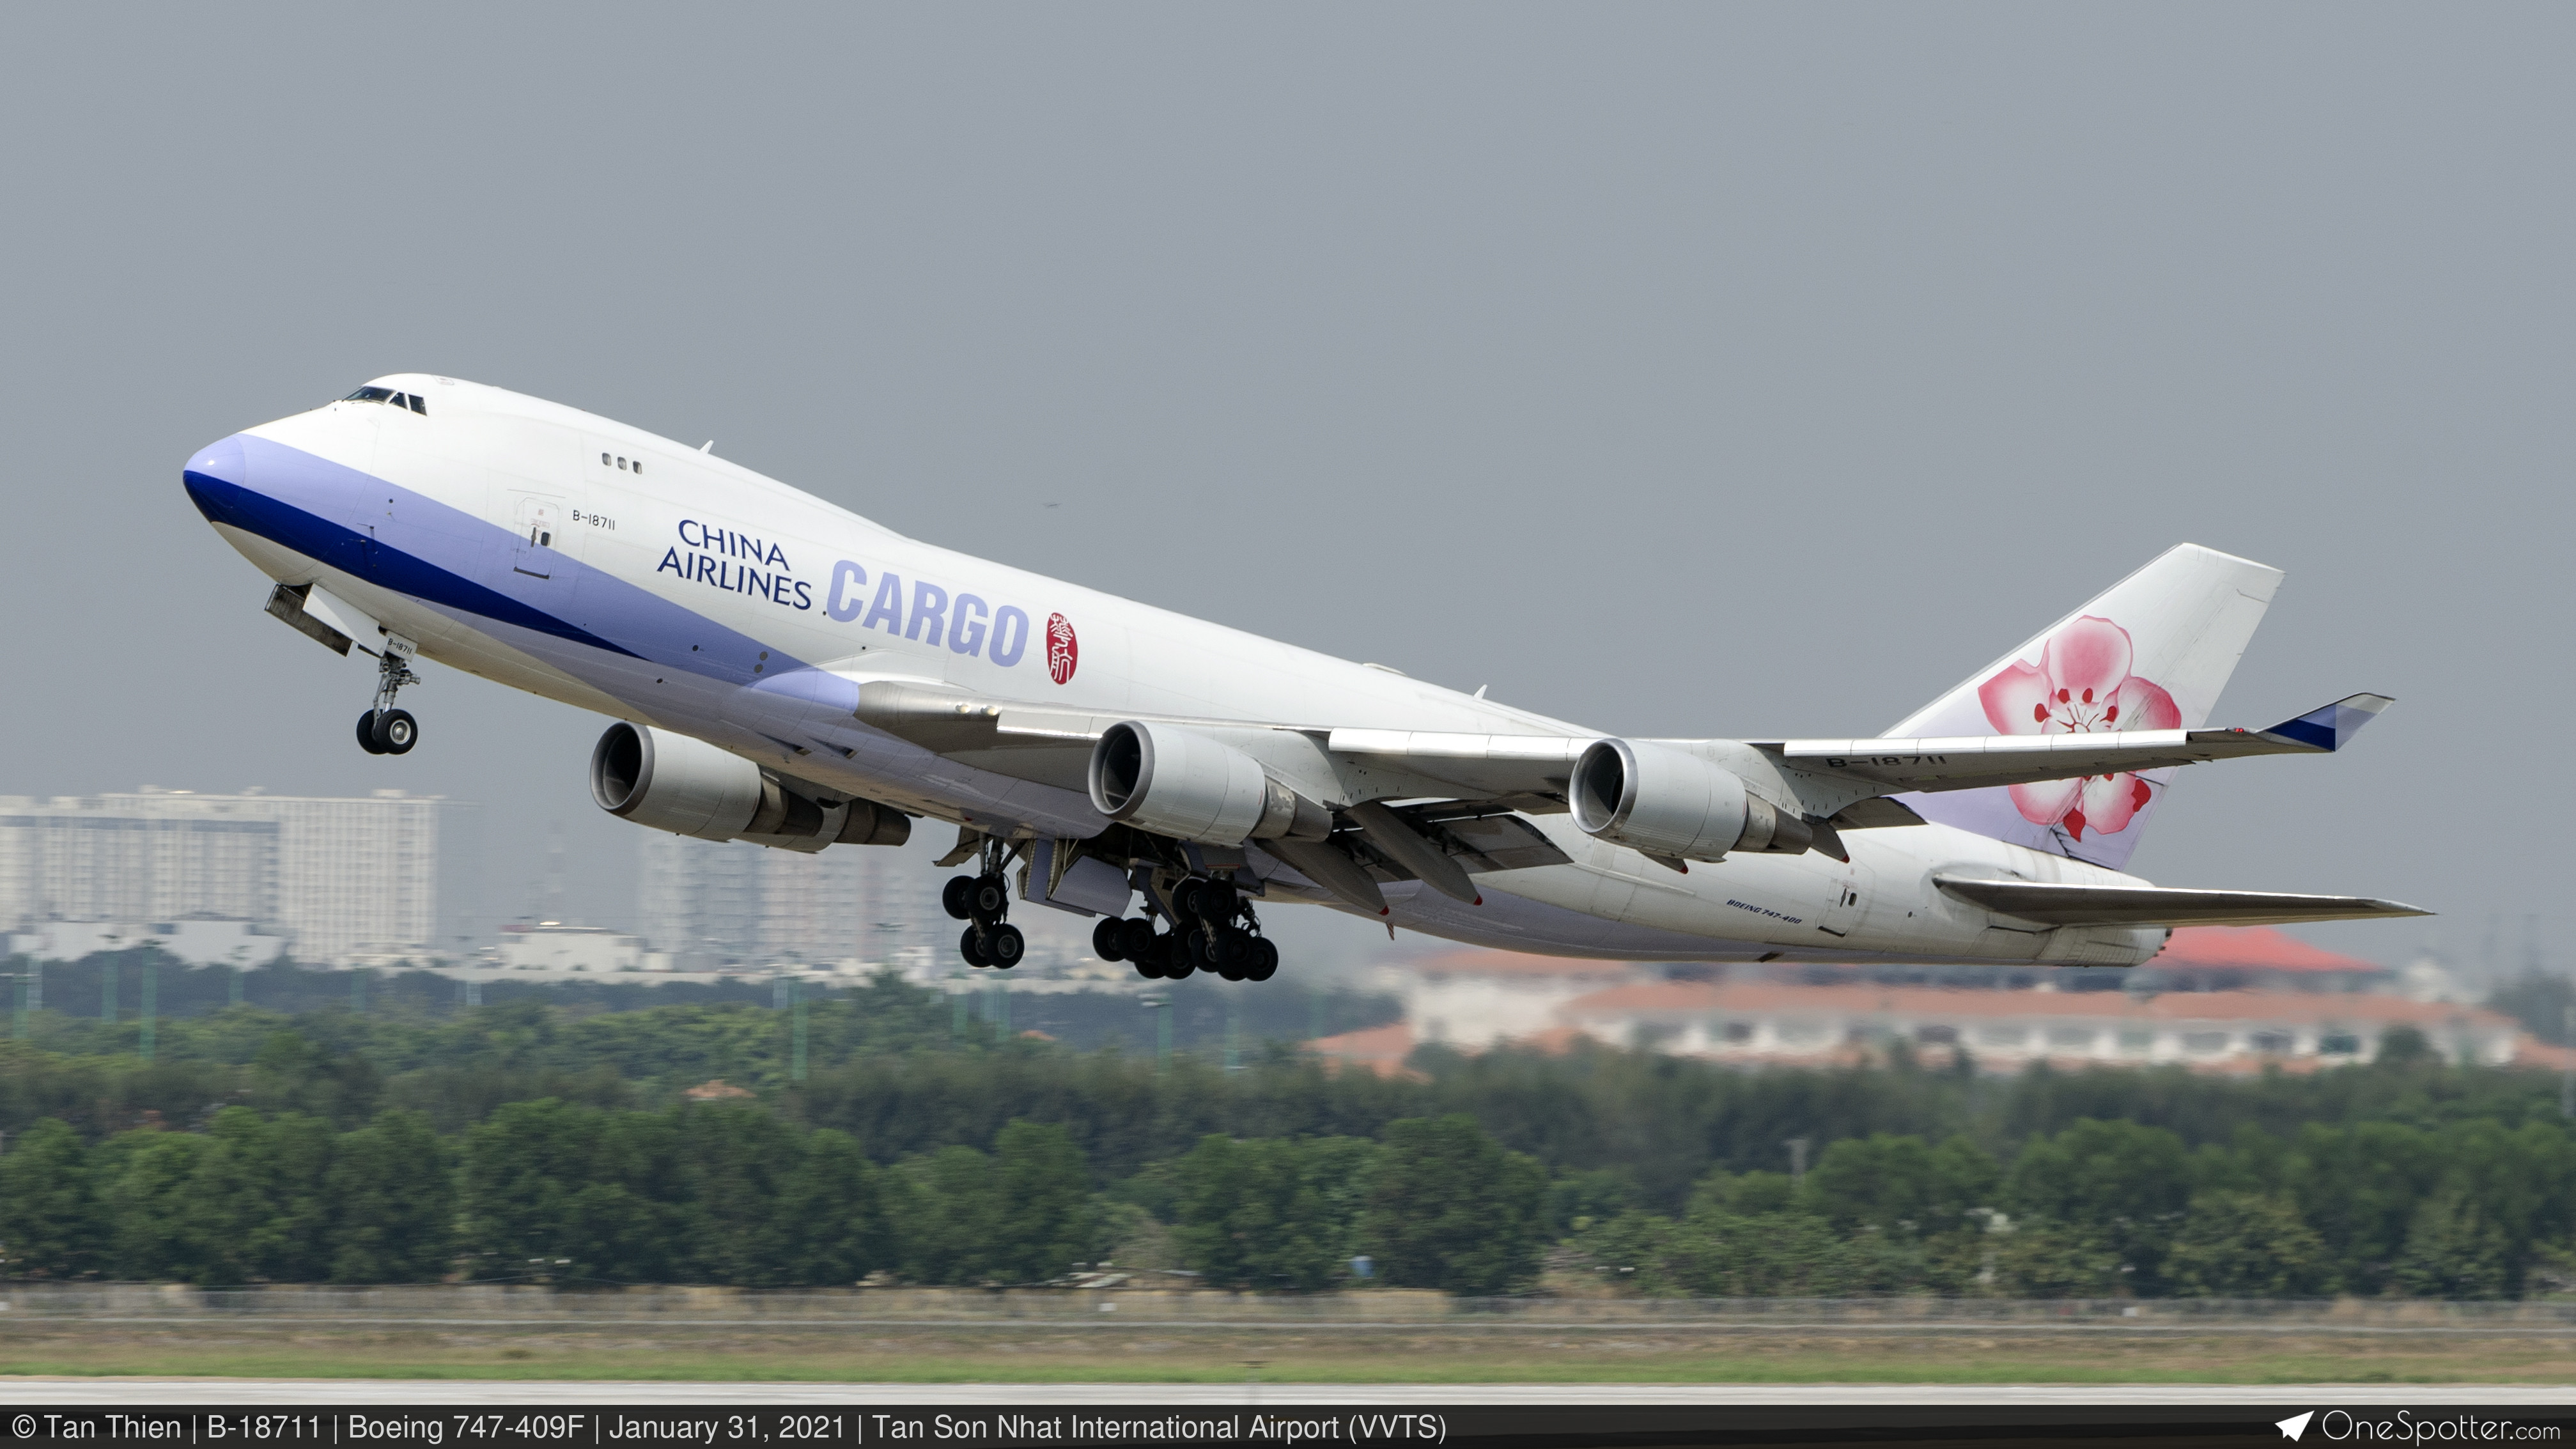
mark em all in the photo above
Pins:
pixel 787 673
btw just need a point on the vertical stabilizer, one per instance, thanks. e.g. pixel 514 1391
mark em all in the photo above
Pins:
pixel 2152 652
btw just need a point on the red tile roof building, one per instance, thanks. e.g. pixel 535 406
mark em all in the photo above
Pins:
pixel 2215 999
pixel 1762 1021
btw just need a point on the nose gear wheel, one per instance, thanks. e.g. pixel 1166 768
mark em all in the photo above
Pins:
pixel 385 730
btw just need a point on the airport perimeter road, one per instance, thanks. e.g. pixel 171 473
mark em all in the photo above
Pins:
pixel 466 1392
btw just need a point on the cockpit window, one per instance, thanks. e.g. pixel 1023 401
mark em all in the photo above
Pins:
pixel 409 400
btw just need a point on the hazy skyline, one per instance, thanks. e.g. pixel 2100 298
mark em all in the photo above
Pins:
pixel 1680 370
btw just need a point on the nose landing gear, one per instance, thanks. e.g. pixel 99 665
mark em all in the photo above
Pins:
pixel 385 730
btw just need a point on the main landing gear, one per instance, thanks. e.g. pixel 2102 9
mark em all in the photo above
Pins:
pixel 385 730
pixel 982 901
pixel 1212 929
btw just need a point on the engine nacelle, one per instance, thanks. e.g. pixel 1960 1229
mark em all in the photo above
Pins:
pixel 1178 782
pixel 1667 802
pixel 686 786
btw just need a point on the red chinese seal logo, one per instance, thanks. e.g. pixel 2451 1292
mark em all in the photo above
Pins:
pixel 1062 652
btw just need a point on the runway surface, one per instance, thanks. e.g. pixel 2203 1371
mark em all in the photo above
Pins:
pixel 628 1394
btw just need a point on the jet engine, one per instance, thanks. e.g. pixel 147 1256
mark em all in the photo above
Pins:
pixel 1175 781
pixel 686 786
pixel 1667 802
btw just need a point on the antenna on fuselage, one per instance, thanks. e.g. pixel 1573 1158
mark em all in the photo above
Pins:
pixel 708 446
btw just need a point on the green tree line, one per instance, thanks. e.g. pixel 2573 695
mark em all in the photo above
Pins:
pixel 731 1193
pixel 380 1146
pixel 735 1193
pixel 2112 1209
pixel 884 1067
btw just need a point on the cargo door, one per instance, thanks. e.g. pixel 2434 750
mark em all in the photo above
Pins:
pixel 535 552
pixel 1847 899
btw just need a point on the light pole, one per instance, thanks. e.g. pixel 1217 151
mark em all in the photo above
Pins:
pixel 1797 1162
pixel 796 1011
pixel 1162 1029
pixel 2566 1079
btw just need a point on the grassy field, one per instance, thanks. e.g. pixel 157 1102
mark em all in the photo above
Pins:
pixel 1151 1355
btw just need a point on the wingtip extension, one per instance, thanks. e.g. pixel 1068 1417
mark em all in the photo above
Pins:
pixel 2334 726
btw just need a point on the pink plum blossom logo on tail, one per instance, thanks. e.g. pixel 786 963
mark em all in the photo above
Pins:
pixel 2081 685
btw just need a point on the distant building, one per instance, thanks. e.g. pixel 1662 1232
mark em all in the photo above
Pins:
pixel 336 878
pixel 547 946
pixel 1472 999
pixel 195 941
pixel 2195 958
pixel 2215 999
pixel 1378 1049
pixel 706 904
pixel 2231 958
pixel 718 1090
pixel 1758 1022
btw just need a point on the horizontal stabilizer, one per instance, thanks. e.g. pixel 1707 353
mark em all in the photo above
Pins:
pixel 1969 762
pixel 2097 905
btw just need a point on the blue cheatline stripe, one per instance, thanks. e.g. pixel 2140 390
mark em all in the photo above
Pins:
pixel 357 554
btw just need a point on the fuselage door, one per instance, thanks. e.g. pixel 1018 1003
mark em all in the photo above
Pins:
pixel 1849 901
pixel 536 552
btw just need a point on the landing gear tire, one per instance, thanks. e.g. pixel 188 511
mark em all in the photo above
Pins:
pixel 1003 946
pixel 1178 960
pixel 395 731
pixel 1136 941
pixel 1150 968
pixel 954 896
pixel 971 948
pixel 1198 943
pixel 1265 960
pixel 1105 939
pixel 987 898
pixel 1218 903
pixel 367 734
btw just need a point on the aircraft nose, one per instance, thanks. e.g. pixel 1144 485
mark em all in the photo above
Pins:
pixel 218 480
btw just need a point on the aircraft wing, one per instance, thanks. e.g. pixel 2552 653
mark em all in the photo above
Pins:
pixel 1831 781
pixel 1053 744
pixel 2094 905
pixel 1974 761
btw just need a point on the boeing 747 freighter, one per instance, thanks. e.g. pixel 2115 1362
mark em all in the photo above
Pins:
pixel 784 672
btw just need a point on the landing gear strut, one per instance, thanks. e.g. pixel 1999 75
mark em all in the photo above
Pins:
pixel 982 901
pixel 385 730
pixel 1213 928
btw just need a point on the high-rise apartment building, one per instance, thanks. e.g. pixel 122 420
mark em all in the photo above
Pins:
pixel 708 904
pixel 335 876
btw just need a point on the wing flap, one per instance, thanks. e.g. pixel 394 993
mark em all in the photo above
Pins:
pixel 2097 905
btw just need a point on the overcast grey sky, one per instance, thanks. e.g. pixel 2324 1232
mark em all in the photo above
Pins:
pixel 1702 369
